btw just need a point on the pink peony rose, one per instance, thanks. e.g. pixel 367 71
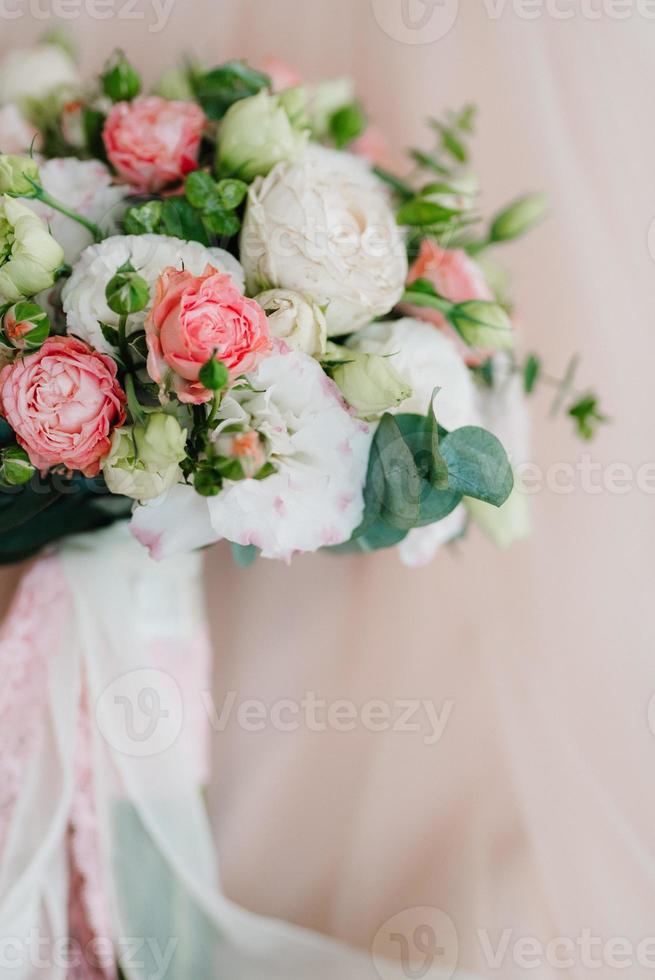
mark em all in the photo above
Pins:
pixel 454 275
pixel 153 142
pixel 281 74
pixel 194 317
pixel 63 402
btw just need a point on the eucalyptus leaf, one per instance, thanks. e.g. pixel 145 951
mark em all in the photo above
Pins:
pixel 478 465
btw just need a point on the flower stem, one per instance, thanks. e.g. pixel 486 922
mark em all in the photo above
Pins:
pixel 52 202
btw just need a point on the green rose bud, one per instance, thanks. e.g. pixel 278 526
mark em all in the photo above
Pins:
pixel 370 383
pixel 161 442
pixel 16 174
pixel 175 86
pixel 127 292
pixel 120 81
pixel 294 102
pixel 15 467
pixel 326 99
pixel 482 324
pixel 143 461
pixel 255 135
pixel 214 375
pixel 26 325
pixel 29 255
pixel 518 218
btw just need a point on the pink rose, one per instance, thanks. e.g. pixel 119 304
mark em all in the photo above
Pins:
pixel 194 317
pixel 373 146
pixel 456 277
pixel 153 142
pixel 63 402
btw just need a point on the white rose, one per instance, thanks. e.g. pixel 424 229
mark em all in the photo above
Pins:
pixel 323 226
pixel 326 98
pixel 296 320
pixel 36 72
pixel 426 359
pixel 320 452
pixel 86 187
pixel 16 133
pixel 83 296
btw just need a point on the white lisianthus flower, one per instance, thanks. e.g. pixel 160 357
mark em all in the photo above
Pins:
pixel 324 227
pixel 296 320
pixel 326 98
pixel 83 296
pixel 426 359
pixel 320 453
pixel 36 72
pixel 16 133
pixel 86 187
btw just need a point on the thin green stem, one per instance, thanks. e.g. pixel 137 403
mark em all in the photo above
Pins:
pixel 52 202
pixel 136 411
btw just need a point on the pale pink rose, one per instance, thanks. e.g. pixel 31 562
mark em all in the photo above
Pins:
pixel 153 142
pixel 63 402
pixel 456 277
pixel 194 317
pixel 281 74
pixel 373 145
pixel 16 133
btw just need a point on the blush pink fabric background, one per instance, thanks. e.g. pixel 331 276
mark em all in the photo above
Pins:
pixel 534 811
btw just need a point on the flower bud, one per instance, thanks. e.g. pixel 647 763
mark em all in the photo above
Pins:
pixel 482 324
pixel 295 319
pixel 255 135
pixel 370 383
pixel 26 325
pixel 518 218
pixel 17 174
pixel 246 449
pixel 161 441
pixel 120 81
pixel 144 460
pixel 214 375
pixel 29 255
pixel 127 292
pixel 15 467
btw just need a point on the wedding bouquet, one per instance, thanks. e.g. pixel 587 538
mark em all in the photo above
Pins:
pixel 222 316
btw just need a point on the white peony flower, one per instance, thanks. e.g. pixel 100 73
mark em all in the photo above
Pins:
pixel 36 72
pixel 295 320
pixel 323 227
pixel 83 296
pixel 16 133
pixel 422 543
pixel 86 187
pixel 320 453
pixel 426 359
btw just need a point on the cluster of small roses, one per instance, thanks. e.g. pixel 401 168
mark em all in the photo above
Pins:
pixel 207 300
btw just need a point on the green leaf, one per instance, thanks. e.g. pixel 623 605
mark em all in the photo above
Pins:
pixel 587 416
pixel 180 220
pixel 398 185
pixel 478 465
pixel 438 471
pixel 224 224
pixel 200 187
pixel 428 162
pixel 346 124
pixel 93 123
pixel 143 219
pixel 531 372
pixel 218 89
pixel 435 503
pixel 244 555
pixel 110 334
pixel 393 490
pixel 231 193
